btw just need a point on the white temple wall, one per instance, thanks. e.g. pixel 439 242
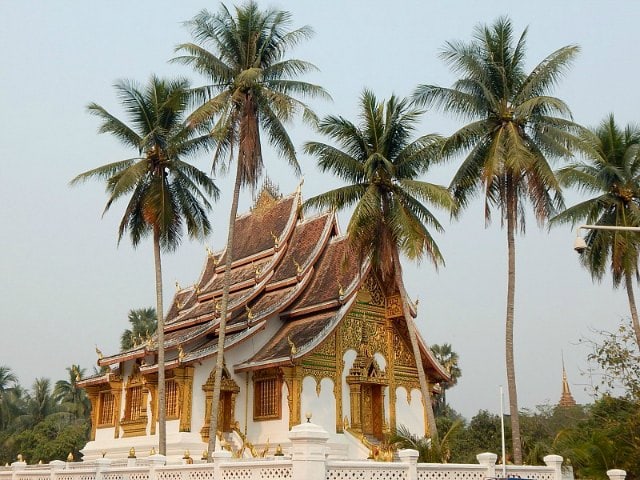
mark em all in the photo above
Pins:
pixel 348 357
pixel 322 407
pixel 410 414
pixel 200 376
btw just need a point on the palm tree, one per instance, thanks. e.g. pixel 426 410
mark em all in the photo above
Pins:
pixel 40 403
pixel 8 380
pixel 381 166
pixel 611 172
pixel 165 192
pixel 144 321
pixel 449 360
pixel 516 129
pixel 253 88
pixel 71 397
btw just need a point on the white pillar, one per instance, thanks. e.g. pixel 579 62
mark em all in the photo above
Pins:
pixel 554 461
pixel 410 457
pixel 308 451
pixel 55 466
pixel 218 457
pixel 488 460
pixel 102 465
pixel 17 467
pixel 155 461
pixel 616 474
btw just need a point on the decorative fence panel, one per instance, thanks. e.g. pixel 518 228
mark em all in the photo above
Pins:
pixel 366 471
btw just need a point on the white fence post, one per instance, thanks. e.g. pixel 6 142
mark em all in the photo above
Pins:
pixel 554 461
pixel 308 452
pixel 55 466
pixel 102 465
pixel 488 461
pixel 155 461
pixel 616 474
pixel 410 457
pixel 16 467
pixel 218 456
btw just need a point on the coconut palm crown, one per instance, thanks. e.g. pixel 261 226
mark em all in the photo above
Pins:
pixel 166 193
pixel 252 87
pixel 381 166
pixel 516 128
pixel 611 172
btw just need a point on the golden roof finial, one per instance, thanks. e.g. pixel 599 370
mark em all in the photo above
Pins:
pixel 276 239
pixel 99 353
pixel 218 306
pixel 298 267
pixel 178 288
pixel 299 187
pixel 292 346
pixel 209 251
pixel 179 304
pixel 196 287
pixel 250 314
pixel 180 353
pixel 340 289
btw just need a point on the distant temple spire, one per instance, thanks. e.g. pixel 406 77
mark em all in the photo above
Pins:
pixel 566 399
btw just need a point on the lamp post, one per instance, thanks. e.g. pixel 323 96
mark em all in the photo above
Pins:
pixel 579 245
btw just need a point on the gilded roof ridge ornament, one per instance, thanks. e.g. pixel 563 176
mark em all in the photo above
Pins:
pixel 298 267
pixel 99 353
pixel 181 354
pixel 293 350
pixel 276 240
pixel 340 289
pixel 209 251
pixel 250 314
pixel 178 287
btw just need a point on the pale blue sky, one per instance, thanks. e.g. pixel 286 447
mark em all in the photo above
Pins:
pixel 65 285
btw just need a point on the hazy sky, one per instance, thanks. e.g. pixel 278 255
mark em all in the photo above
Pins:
pixel 65 285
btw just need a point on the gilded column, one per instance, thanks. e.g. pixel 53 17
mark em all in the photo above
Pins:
pixel 337 382
pixel 93 394
pixel 184 377
pixel 116 391
pixel 293 379
pixel 391 368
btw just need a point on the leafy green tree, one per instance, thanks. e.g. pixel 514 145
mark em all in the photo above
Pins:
pixel 381 166
pixel 449 360
pixel 611 172
pixel 515 129
pixel 165 192
pixel 144 322
pixel 253 89
pixel 429 449
pixel 70 397
pixel 8 380
pixel 39 404
pixel 607 438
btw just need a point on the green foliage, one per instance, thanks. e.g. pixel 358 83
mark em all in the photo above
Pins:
pixel 144 323
pixel 429 450
pixel 44 425
pixel 449 360
pixel 607 438
pixel 617 356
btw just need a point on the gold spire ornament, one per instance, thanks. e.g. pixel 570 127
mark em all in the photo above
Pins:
pixel 70 457
pixel 180 354
pixel 132 452
pixel 250 314
pixel 99 353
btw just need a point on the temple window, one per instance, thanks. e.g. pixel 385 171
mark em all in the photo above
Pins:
pixel 134 410
pixel 171 396
pixel 267 395
pixel 106 409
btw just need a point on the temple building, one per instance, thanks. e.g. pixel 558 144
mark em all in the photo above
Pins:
pixel 309 335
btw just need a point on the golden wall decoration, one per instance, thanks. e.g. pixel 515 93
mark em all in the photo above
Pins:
pixel 394 306
pixel 228 393
pixel 293 379
pixel 135 427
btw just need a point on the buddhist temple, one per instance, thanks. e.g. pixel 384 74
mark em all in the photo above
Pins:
pixel 309 334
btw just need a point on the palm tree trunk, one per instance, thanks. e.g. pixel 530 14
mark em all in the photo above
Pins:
pixel 632 307
pixel 162 417
pixel 215 401
pixel 511 290
pixel 422 378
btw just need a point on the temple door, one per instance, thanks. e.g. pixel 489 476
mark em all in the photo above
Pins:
pixel 225 414
pixel 376 411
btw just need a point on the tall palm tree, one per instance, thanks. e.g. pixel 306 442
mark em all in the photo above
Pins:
pixel 71 397
pixel 381 166
pixel 144 321
pixel 8 380
pixel 165 192
pixel 253 88
pixel 448 358
pixel 40 403
pixel 516 129
pixel 611 172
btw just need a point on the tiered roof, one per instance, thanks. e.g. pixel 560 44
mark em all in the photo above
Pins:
pixel 286 269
